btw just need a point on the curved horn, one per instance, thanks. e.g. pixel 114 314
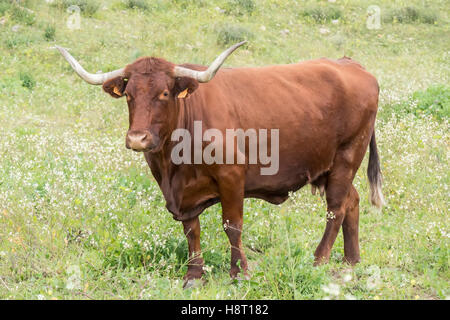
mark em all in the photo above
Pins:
pixel 207 75
pixel 92 78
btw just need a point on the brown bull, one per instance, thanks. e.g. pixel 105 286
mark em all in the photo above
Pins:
pixel 324 109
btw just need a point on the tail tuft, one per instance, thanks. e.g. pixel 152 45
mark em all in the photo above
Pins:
pixel 374 175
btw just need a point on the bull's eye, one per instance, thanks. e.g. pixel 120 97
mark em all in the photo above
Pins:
pixel 164 95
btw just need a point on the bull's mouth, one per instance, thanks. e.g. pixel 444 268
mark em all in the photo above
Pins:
pixel 151 149
pixel 143 150
pixel 148 149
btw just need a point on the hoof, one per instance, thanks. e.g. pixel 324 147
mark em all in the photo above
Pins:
pixel 320 261
pixel 351 260
pixel 239 278
pixel 193 283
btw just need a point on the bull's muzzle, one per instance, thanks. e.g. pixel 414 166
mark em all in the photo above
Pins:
pixel 139 140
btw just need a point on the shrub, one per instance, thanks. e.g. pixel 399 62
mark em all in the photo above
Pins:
pixel 4 6
pixel 196 3
pixel 137 4
pixel 239 7
pixel 49 33
pixel 434 101
pixel 429 17
pixel 27 80
pixel 230 34
pixel 322 14
pixel 87 7
pixel 410 15
pixel 16 40
pixel 23 15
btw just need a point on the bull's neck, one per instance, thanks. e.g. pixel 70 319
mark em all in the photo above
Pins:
pixel 161 163
pixel 189 110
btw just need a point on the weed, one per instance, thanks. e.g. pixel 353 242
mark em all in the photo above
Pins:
pixel 49 33
pixel 410 14
pixel 434 101
pixel 87 7
pixel 239 7
pixel 137 4
pixel 322 14
pixel 230 34
pixel 22 15
pixel 27 80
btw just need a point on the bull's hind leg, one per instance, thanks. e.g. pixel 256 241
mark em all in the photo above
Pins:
pixel 341 201
pixel 350 227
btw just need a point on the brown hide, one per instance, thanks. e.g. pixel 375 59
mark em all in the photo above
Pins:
pixel 324 111
pixel 319 107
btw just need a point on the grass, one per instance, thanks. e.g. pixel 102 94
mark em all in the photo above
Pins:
pixel 229 34
pixel 49 33
pixel 137 4
pixel 239 7
pixel 27 80
pixel 411 14
pixel 22 15
pixel 323 13
pixel 87 7
pixel 433 101
pixel 81 217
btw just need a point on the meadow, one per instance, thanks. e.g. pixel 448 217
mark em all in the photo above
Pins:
pixel 81 217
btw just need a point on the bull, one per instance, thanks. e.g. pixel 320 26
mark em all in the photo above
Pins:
pixel 325 112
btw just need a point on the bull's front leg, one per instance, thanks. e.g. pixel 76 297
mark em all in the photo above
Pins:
pixel 195 264
pixel 231 190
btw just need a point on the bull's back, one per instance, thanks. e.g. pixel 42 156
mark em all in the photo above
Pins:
pixel 295 94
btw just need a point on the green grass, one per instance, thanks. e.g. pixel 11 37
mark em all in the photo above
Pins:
pixel 229 34
pixel 137 4
pixel 411 14
pixel 49 33
pixel 322 13
pixel 87 7
pixel 81 217
pixel 433 101
pixel 27 80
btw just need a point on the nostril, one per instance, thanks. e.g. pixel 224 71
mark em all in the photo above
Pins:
pixel 138 140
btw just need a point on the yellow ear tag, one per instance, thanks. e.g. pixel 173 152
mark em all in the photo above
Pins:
pixel 116 91
pixel 183 94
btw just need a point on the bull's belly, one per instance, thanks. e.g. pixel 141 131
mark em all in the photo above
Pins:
pixel 290 177
pixel 202 191
pixel 275 189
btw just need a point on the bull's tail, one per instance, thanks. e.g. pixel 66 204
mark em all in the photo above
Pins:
pixel 374 175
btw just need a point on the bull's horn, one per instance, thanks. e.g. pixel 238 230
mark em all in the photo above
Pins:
pixel 207 75
pixel 97 78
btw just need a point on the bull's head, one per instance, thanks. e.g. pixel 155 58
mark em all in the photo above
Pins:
pixel 151 86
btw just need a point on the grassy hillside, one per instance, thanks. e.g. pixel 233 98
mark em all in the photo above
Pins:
pixel 81 217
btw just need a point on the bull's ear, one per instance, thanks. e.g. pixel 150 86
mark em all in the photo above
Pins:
pixel 115 87
pixel 184 86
